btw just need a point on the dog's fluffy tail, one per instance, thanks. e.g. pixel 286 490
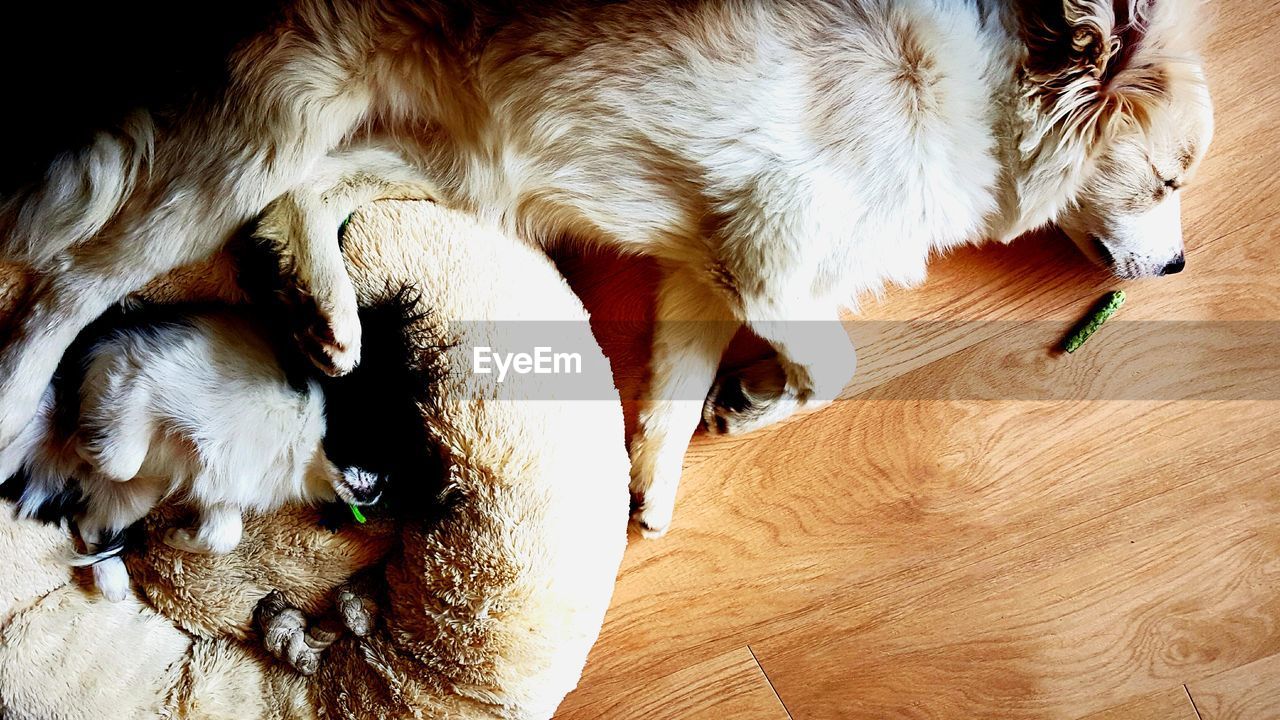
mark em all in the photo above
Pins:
pixel 79 194
pixel 112 547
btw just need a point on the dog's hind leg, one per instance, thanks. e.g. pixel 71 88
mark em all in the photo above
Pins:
pixel 301 230
pixel 104 546
pixel 111 508
pixel 694 326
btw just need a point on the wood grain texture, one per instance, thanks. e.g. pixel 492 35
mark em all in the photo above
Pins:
pixel 1120 606
pixel 730 685
pixel 979 528
pixel 1172 704
pixel 1250 692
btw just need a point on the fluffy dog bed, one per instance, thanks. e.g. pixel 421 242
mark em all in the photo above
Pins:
pixel 490 607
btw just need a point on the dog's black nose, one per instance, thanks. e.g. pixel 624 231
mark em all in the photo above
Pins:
pixel 1175 266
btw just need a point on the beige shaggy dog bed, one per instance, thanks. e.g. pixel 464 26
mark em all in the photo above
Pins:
pixel 490 610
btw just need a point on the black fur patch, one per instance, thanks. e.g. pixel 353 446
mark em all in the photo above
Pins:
pixel 264 279
pixel 375 414
pixel 63 506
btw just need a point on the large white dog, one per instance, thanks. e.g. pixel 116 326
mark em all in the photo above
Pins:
pixel 779 156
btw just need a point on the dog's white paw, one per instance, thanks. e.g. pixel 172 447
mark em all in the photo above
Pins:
pixel 112 579
pixel 117 464
pixel 652 520
pixel 653 507
pixel 331 337
pixel 212 538
pixel 655 477
pixel 186 541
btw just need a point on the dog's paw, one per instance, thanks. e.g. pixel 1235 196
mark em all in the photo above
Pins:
pixel 652 523
pixel 655 476
pixel 213 538
pixel 330 337
pixel 356 608
pixel 744 400
pixel 112 579
pixel 651 518
pixel 284 633
pixel 185 540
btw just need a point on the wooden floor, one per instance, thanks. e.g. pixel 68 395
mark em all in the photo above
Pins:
pixel 902 556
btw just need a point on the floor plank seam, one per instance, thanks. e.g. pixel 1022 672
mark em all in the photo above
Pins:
pixel 785 709
pixel 1191 700
pixel 1246 226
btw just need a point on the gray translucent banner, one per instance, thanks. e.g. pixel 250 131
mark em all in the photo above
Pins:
pixel 944 360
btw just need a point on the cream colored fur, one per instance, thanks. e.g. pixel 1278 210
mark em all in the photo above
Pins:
pixel 780 156
pixel 491 610
pixel 200 411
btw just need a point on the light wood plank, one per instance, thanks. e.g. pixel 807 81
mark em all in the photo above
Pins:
pixel 730 685
pixel 1117 607
pixel 1250 692
pixel 1172 704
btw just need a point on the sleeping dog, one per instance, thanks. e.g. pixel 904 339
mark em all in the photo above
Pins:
pixel 780 157
pixel 187 405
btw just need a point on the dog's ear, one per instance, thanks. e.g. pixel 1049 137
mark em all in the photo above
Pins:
pixel 1096 38
pixel 1069 38
pixel 1094 65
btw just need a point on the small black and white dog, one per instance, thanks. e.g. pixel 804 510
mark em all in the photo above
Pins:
pixel 192 404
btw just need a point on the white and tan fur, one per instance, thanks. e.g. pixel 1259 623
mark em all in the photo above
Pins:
pixel 197 410
pixel 780 157
pixel 489 602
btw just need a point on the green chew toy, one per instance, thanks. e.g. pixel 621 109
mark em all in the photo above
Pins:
pixel 359 516
pixel 1103 311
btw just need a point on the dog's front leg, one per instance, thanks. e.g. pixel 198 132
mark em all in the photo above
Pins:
pixel 301 230
pixel 217 531
pixel 694 326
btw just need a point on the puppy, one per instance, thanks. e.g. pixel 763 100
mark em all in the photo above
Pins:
pixel 780 157
pixel 193 407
